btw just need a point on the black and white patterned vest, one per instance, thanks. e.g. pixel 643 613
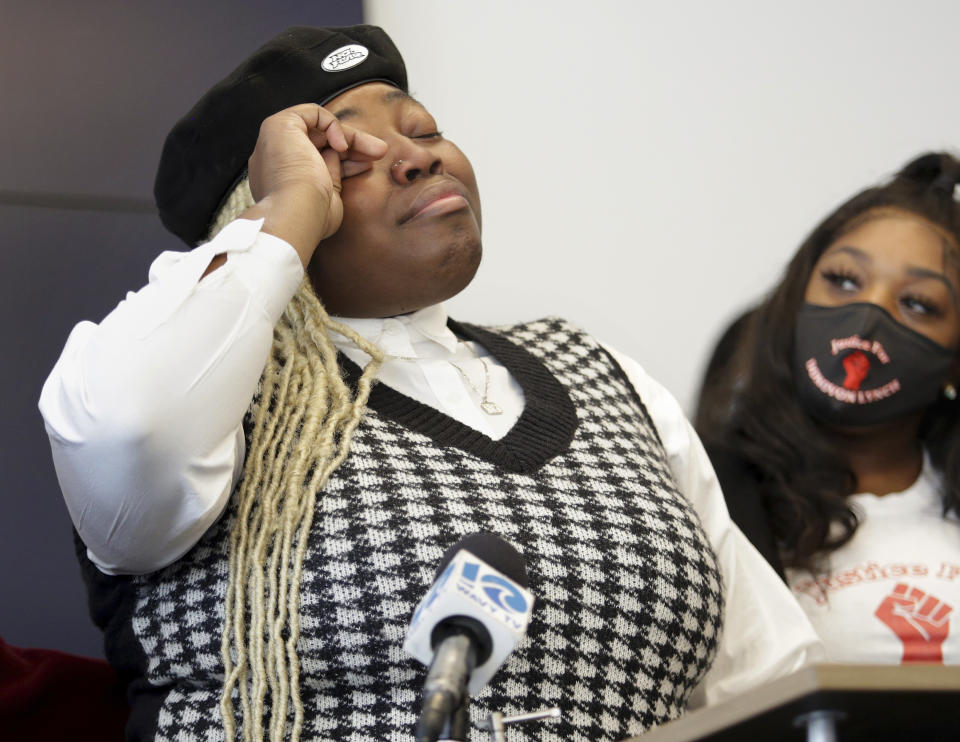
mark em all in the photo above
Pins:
pixel 628 594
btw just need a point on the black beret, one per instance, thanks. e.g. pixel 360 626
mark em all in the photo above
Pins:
pixel 206 153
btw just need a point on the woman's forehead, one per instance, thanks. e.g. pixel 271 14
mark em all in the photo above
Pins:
pixel 894 214
pixel 886 234
pixel 368 98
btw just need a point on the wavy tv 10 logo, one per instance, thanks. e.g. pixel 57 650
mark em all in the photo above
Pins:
pixel 499 590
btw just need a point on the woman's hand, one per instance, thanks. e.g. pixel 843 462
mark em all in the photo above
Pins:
pixel 295 171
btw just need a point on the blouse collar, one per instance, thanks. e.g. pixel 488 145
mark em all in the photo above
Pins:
pixel 400 335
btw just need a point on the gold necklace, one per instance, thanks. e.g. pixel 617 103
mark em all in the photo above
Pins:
pixel 486 404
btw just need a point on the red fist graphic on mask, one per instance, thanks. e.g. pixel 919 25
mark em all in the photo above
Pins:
pixel 920 620
pixel 857 366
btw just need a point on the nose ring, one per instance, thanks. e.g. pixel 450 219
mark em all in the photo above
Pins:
pixel 395 165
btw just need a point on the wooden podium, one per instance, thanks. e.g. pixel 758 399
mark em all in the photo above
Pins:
pixel 823 703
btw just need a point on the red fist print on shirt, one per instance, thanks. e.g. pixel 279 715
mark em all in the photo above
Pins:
pixel 920 620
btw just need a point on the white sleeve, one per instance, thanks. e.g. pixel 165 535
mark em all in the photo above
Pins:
pixel 144 411
pixel 765 632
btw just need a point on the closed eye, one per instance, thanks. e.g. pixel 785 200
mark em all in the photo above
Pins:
pixel 431 135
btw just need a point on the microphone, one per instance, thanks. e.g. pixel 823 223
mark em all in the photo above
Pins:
pixel 474 615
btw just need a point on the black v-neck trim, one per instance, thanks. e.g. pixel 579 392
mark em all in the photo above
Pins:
pixel 545 427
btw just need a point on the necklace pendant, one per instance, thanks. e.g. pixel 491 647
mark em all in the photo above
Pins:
pixel 491 408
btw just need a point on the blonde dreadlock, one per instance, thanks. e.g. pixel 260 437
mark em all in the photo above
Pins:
pixel 304 418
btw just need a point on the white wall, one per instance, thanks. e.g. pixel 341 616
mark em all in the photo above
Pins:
pixel 647 168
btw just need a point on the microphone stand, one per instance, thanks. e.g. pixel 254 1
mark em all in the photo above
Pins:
pixel 458 725
pixel 445 686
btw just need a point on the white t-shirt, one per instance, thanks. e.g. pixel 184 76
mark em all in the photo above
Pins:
pixel 144 414
pixel 892 593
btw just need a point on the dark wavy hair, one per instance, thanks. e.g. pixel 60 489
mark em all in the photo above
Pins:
pixel 748 405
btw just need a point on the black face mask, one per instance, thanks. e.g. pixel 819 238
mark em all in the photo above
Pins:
pixel 856 365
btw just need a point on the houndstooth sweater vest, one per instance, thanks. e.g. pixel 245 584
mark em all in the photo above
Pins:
pixel 628 594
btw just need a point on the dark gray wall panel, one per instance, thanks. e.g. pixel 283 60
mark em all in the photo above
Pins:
pixel 89 91
pixel 56 268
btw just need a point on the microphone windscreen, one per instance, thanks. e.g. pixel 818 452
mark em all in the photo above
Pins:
pixel 495 551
